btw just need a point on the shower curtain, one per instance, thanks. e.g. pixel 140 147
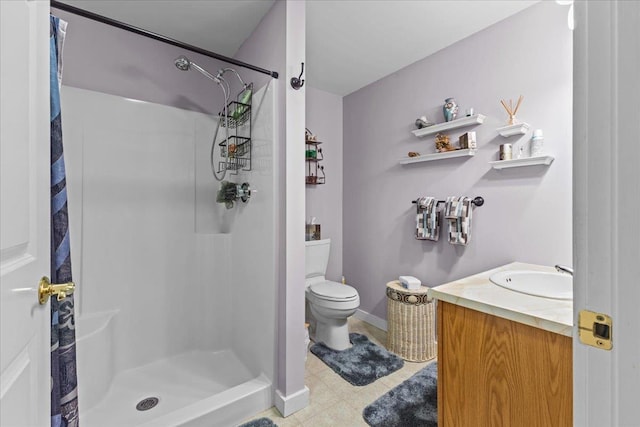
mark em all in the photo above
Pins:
pixel 64 384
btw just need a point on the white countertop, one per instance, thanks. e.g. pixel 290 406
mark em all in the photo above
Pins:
pixel 478 293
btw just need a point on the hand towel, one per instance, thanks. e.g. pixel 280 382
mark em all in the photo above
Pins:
pixel 457 213
pixel 427 219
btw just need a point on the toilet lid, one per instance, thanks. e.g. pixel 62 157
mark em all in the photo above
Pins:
pixel 333 291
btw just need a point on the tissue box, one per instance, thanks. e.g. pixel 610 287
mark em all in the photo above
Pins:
pixel 410 282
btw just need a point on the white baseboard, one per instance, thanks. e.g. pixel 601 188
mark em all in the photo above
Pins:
pixel 292 403
pixel 371 319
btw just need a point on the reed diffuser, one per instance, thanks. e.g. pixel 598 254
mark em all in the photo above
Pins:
pixel 510 110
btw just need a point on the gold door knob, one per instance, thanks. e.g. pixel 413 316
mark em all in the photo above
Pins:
pixel 46 289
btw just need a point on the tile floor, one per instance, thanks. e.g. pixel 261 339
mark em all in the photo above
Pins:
pixel 333 401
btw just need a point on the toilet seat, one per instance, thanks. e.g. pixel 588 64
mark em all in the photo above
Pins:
pixel 333 291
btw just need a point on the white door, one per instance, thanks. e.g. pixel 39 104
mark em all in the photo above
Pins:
pixel 24 212
pixel 606 205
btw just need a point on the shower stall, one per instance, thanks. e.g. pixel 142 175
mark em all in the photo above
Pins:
pixel 176 297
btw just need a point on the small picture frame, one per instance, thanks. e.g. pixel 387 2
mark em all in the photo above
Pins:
pixel 468 141
pixel 312 232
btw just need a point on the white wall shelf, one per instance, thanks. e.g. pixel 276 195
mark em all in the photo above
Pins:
pixel 515 129
pixel 454 124
pixel 438 156
pixel 527 161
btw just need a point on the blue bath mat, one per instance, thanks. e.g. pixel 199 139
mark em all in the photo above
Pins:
pixel 413 403
pixel 361 364
pixel 260 422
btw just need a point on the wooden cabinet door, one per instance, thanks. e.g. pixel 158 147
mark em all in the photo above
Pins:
pixel 495 372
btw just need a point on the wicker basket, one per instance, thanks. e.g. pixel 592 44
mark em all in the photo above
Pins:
pixel 410 323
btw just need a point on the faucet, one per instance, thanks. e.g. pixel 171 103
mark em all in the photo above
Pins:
pixel 564 269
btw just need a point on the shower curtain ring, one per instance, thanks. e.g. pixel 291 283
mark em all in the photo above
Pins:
pixel 298 82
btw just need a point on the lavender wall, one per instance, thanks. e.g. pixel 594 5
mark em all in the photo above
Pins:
pixel 110 60
pixel 267 46
pixel 527 214
pixel 324 119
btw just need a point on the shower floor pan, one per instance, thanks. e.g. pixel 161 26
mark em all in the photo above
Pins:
pixel 193 389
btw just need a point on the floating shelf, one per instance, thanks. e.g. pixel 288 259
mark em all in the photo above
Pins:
pixel 438 156
pixel 515 129
pixel 454 124
pixel 527 161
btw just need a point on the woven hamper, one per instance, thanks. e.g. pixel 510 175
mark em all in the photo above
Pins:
pixel 410 323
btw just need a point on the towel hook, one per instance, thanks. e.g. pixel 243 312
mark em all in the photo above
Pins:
pixel 298 82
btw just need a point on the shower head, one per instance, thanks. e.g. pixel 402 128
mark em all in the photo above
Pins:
pixel 182 63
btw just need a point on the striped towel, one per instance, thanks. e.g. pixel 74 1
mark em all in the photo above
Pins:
pixel 427 219
pixel 457 213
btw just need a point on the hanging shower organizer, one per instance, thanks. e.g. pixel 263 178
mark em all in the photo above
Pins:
pixel 236 149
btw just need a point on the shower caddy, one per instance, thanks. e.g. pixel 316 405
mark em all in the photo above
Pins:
pixel 236 148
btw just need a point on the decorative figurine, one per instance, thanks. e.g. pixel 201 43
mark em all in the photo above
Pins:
pixel 442 143
pixel 510 110
pixel 450 109
pixel 423 122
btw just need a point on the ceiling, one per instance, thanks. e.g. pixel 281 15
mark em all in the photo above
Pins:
pixel 350 43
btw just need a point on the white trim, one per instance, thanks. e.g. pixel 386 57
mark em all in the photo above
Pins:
pixel 288 405
pixel 371 319
pixel 291 322
pixel 605 205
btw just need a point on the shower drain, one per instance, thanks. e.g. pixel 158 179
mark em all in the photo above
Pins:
pixel 147 403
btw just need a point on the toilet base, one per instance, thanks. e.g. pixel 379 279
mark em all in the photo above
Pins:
pixel 334 333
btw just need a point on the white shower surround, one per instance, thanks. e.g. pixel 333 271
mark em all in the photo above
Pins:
pixel 162 282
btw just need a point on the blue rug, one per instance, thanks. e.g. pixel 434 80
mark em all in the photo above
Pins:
pixel 260 422
pixel 414 403
pixel 361 364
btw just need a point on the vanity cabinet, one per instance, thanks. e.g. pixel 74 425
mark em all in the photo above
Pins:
pixel 497 372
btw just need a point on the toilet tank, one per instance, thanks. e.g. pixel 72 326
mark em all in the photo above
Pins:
pixel 316 257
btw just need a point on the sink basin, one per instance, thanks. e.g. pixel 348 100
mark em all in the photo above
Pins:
pixel 537 283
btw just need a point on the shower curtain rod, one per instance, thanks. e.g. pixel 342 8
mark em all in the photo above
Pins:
pixel 103 19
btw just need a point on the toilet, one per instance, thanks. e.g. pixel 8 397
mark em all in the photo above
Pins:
pixel 330 303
